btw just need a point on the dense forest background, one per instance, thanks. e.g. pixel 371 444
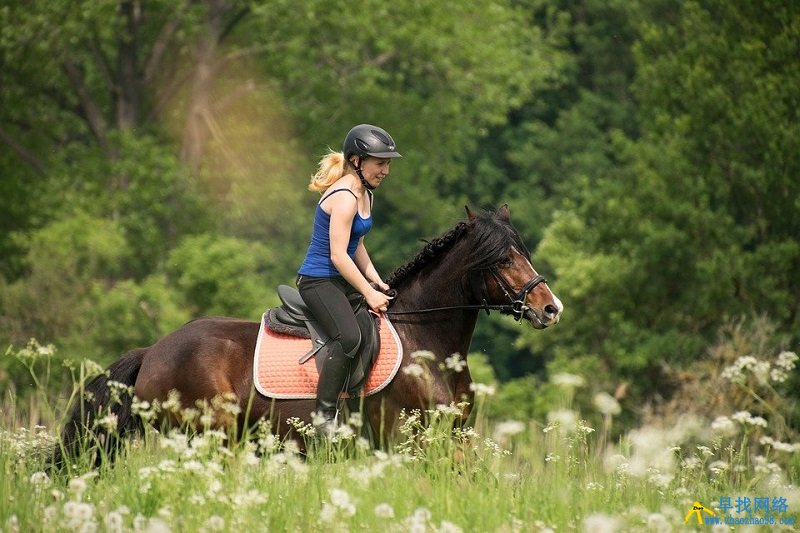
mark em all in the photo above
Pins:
pixel 154 156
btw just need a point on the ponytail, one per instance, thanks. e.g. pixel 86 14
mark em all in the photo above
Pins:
pixel 331 168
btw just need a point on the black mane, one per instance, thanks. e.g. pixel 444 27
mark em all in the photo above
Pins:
pixel 491 237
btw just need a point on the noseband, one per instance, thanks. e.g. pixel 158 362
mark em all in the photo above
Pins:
pixel 518 306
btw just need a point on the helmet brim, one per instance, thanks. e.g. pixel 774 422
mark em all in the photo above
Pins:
pixel 385 155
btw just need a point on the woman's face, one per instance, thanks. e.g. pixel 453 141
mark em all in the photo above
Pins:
pixel 375 169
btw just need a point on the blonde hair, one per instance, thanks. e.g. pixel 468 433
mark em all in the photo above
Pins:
pixel 332 167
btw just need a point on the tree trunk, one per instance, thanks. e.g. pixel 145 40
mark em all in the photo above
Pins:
pixel 196 130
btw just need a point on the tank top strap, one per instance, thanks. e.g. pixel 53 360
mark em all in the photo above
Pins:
pixel 337 190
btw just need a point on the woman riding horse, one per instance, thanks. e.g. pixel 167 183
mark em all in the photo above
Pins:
pixel 480 264
pixel 337 263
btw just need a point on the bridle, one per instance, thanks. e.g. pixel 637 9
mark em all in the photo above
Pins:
pixel 517 306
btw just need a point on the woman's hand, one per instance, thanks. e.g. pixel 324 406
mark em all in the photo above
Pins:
pixel 377 301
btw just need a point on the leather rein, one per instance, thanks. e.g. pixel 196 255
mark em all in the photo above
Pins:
pixel 517 306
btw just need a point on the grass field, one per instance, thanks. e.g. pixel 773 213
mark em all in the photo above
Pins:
pixel 494 476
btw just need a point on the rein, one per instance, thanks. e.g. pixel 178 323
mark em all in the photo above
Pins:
pixel 517 307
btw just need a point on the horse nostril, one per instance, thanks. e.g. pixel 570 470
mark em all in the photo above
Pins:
pixel 550 310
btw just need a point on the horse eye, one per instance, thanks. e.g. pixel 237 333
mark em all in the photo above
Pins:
pixel 506 263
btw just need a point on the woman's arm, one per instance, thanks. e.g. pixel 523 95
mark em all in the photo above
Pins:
pixel 343 209
pixel 364 264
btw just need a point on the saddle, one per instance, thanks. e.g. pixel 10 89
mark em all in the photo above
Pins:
pixel 294 318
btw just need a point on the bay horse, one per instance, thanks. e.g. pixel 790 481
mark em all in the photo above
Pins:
pixel 480 264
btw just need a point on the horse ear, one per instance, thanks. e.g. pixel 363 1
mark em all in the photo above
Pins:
pixel 503 213
pixel 470 215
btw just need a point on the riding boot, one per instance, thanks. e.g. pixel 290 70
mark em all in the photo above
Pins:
pixel 331 383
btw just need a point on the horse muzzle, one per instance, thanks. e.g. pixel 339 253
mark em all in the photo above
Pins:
pixel 547 316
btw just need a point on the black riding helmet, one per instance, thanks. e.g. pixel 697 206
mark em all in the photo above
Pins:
pixel 368 140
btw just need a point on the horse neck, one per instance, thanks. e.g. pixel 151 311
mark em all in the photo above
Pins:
pixel 440 285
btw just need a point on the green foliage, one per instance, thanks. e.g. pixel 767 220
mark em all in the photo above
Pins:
pixel 222 275
pixel 444 68
pixel 63 260
pixel 129 315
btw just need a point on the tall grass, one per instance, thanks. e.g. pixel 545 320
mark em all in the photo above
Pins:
pixel 494 475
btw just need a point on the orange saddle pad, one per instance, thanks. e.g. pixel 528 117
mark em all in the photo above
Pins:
pixel 277 373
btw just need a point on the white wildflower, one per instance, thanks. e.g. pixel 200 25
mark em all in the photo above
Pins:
pixel 743 417
pixel 691 463
pixel 455 363
pixel 108 422
pixel 481 389
pixel 780 446
pixel 718 467
pixel 341 500
pixel 659 479
pixel 156 525
pixel 737 372
pixel 40 480
pixel 784 364
pixel 565 379
pixel 762 465
pixel 607 404
pixel 328 513
pixel 114 522
pixel 384 510
pixel 79 516
pixel 77 486
pixel 705 450
pixel 214 523
pixel 786 360
pixel 724 426
pixel 565 419
pixel 601 523
pixel 449 527
pixel 658 523
pixel 423 355
pixel 451 409
pixel 355 420
pixel 414 370
pixel 508 428
pixel 345 432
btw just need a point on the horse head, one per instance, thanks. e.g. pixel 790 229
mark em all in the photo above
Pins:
pixel 502 272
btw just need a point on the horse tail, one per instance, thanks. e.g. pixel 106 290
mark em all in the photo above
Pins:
pixel 86 429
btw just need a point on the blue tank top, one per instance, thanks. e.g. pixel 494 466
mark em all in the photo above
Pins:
pixel 318 262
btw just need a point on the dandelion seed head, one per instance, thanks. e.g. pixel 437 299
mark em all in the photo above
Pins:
pixel 114 522
pixel 565 419
pixel 601 523
pixel 658 523
pixel 449 527
pixel 214 523
pixel 567 380
pixel 384 510
pixel 481 389
pixel 40 480
pixel 508 428
pixel 606 404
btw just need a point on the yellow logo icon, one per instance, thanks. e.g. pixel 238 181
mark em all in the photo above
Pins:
pixel 697 509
